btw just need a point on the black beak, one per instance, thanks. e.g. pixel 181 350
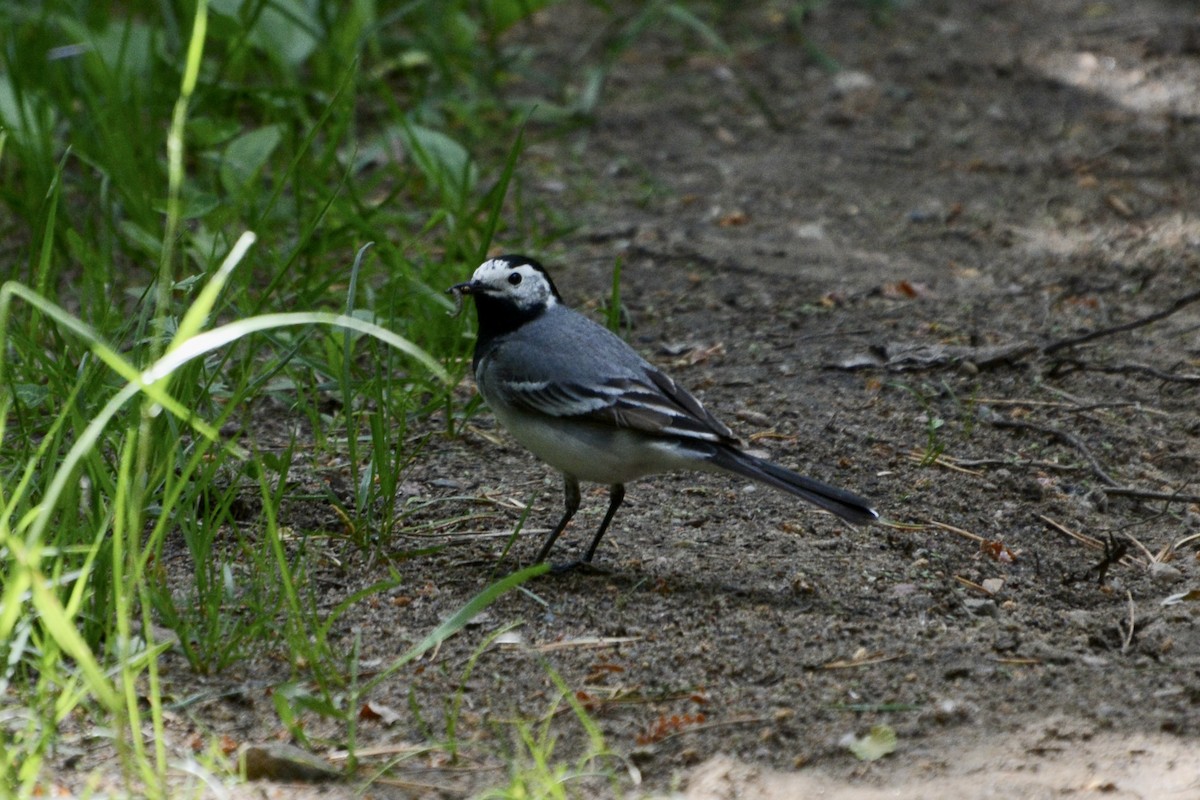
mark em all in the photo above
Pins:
pixel 470 287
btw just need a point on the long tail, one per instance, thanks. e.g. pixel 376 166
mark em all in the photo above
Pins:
pixel 846 505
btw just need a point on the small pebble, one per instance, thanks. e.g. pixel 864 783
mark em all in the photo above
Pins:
pixel 1165 574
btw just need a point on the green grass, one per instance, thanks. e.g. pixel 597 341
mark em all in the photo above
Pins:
pixel 186 192
pixel 535 770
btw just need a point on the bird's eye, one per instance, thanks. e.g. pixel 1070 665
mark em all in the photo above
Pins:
pixel 514 278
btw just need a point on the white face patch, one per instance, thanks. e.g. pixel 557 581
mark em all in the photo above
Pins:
pixel 523 285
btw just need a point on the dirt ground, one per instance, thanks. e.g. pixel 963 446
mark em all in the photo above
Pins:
pixel 876 277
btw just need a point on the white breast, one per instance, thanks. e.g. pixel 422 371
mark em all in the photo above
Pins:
pixel 592 452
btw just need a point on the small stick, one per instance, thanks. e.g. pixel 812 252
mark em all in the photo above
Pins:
pixel 1083 538
pixel 1144 369
pixel 1185 540
pixel 1072 341
pixel 1065 436
pixel 1129 630
pixel 1017 401
pixel 1073 407
pixel 1146 494
pixel 1016 462
pixel 959 531
pixel 1150 559
pixel 1088 541
pixel 864 661
pixel 948 462
pixel 1113 488
pixel 587 642
pixel 970 584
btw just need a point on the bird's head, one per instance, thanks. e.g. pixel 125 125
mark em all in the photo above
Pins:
pixel 517 282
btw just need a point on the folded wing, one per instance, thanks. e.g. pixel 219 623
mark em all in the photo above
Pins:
pixel 650 402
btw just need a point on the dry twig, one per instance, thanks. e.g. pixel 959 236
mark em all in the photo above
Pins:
pixel 1112 487
pixel 900 357
pixel 1082 538
pixel 1146 494
pixel 1091 336
pixel 862 660
pixel 942 460
pixel 1064 436
pixel 972 536
pixel 1128 639
pixel 1143 369
pixel 1016 462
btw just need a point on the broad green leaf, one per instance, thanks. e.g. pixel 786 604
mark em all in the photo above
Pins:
pixel 246 155
pixel 285 30
pixel 444 161
pixel 288 30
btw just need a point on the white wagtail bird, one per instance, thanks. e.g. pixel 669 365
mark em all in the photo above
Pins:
pixel 586 403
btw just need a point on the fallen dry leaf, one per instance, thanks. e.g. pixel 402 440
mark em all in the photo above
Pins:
pixel 378 712
pixel 910 290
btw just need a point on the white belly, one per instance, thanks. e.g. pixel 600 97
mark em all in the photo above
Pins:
pixel 594 453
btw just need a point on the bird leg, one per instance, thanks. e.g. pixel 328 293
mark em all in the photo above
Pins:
pixel 572 497
pixel 616 494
